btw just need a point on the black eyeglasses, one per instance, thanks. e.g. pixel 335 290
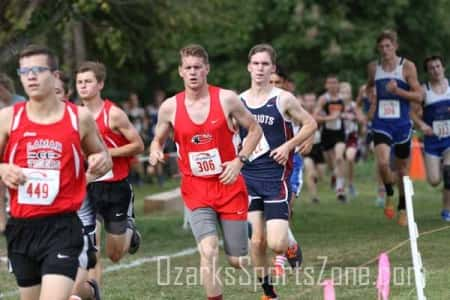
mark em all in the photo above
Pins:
pixel 35 70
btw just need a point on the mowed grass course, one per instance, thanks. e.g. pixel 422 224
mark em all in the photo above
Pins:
pixel 339 241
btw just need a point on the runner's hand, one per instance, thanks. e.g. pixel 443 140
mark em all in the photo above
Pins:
pixel 231 171
pixel 306 146
pixel 155 157
pixel 12 175
pixel 280 154
pixel 99 164
pixel 427 130
pixel 391 86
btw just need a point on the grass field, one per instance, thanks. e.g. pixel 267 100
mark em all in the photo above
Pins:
pixel 338 241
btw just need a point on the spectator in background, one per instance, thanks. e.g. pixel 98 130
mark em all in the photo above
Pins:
pixel 8 94
pixel 136 114
pixel 152 111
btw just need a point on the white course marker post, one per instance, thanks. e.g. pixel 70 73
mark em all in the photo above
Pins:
pixel 413 235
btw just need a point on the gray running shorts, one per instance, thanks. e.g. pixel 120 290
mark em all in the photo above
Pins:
pixel 235 232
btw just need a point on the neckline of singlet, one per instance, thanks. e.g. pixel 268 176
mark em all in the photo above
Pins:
pixel 430 88
pixel 25 114
pixel 401 60
pixel 274 92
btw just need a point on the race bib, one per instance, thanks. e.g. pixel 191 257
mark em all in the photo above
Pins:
pixel 334 125
pixel 389 109
pixel 261 149
pixel 441 128
pixel 205 163
pixel 41 187
pixel 107 176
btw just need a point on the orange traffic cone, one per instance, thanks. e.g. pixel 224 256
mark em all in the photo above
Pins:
pixel 417 166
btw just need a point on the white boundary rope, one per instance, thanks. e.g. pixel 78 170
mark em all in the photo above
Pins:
pixel 413 235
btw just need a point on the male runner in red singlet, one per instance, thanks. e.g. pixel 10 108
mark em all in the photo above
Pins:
pixel 111 195
pixel 42 142
pixel 212 188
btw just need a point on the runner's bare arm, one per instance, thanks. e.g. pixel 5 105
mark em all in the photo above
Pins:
pixel 370 89
pixel 98 157
pixel 162 131
pixel 10 174
pixel 119 122
pixel 415 93
pixel 244 118
pixel 359 98
pixel 305 137
pixel 234 108
pixel 318 116
pixel 416 115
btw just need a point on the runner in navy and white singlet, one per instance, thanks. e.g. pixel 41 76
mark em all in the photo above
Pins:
pixel 269 168
pixel 435 125
pixel 396 84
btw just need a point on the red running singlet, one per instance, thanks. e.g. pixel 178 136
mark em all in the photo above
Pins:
pixel 202 148
pixel 121 165
pixel 51 158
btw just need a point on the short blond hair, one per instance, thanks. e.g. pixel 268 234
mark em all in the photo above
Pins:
pixel 194 50
pixel 387 34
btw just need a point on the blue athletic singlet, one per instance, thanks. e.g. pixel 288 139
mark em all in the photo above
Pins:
pixel 392 113
pixel 436 114
pixel 276 131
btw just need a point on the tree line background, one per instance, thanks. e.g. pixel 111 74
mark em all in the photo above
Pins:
pixel 138 40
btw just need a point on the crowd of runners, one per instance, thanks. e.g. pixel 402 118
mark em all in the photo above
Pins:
pixel 243 159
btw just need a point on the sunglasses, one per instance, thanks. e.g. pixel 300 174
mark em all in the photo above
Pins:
pixel 35 70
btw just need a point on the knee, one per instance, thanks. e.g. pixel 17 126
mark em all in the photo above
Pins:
pixel 278 244
pixel 238 262
pixel 114 253
pixel 339 159
pixel 209 252
pixel 383 165
pixel 433 180
pixel 258 242
pixel 115 256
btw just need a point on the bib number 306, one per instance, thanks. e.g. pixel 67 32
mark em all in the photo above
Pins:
pixel 205 163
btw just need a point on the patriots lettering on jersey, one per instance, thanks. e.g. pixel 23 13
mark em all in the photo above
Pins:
pixel 264 119
pixel 203 138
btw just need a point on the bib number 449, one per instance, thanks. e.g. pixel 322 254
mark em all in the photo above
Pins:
pixel 37 190
pixel 41 187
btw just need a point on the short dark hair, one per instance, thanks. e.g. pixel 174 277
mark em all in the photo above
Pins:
pixel 263 48
pixel 431 58
pixel 65 81
pixel 387 34
pixel 194 50
pixel 280 71
pixel 95 67
pixel 33 49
